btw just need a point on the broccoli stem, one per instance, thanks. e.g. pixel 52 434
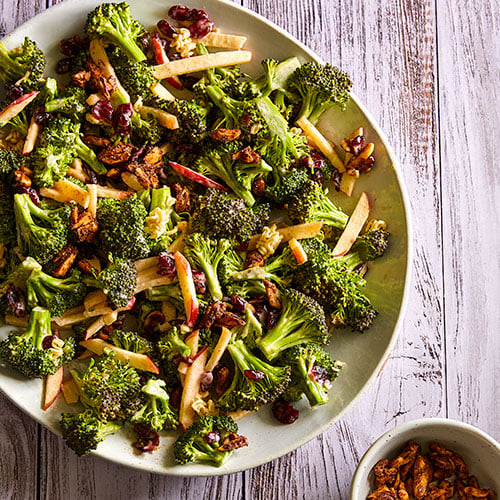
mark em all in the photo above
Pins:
pixel 10 67
pixel 89 157
pixel 128 44
pixel 38 327
pixel 314 392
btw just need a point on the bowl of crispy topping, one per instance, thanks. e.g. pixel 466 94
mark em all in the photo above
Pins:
pixel 429 459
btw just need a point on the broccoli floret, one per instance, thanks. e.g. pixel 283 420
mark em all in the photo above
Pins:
pixel 276 75
pixel 26 62
pixel 136 77
pixel 9 162
pixel 18 276
pixel 121 227
pixel 50 163
pixel 118 281
pixel 83 431
pixel 171 345
pixel 145 131
pixel 169 292
pixel 335 284
pixel 371 244
pixel 313 371
pixel 231 262
pixel 245 289
pixel 277 268
pixel 312 204
pixel 41 232
pixel 192 118
pixel 36 352
pixel 114 22
pixel 255 383
pixel 251 331
pixel 7 220
pixel 219 215
pixel 72 103
pixel 156 411
pixel 320 86
pixel 112 389
pixel 205 254
pixel 203 441
pixel 288 183
pixel 302 320
pixel 56 294
pixel 131 341
pixel 161 209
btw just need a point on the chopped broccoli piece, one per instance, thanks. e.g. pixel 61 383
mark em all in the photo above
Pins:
pixel 71 104
pixel 83 431
pixel 9 162
pixel 255 383
pixel 371 244
pixel 320 86
pixel 131 341
pixel 302 321
pixel 219 215
pixel 312 204
pixel 109 387
pixel 41 232
pixel 156 411
pixel 36 352
pixel 192 118
pixel 56 294
pixel 114 22
pixel 18 276
pixel 204 441
pixel 313 371
pixel 288 183
pixel 171 345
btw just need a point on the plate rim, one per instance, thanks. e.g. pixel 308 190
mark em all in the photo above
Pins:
pixel 396 166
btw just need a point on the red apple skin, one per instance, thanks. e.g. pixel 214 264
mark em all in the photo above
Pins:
pixel 196 177
pixel 161 58
pixel 187 288
pixel 15 107
pixel 52 389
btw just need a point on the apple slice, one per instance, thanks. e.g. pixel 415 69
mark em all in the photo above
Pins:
pixel 52 387
pixel 192 341
pixel 224 41
pixel 298 251
pixel 353 227
pixel 347 184
pixel 162 58
pixel 70 391
pixel 166 120
pixel 191 389
pixel 196 177
pixel 138 361
pixel 219 349
pixel 188 289
pixel 15 107
pixel 31 136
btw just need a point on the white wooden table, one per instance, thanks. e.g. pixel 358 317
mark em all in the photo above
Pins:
pixel 429 73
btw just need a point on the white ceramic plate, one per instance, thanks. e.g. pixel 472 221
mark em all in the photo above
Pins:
pixel 480 452
pixel 388 280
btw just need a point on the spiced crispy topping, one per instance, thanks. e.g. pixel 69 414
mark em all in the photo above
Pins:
pixel 107 86
pixel 94 140
pixel 225 134
pixel 84 225
pixel 80 79
pixel 213 313
pixel 222 379
pixel 246 155
pixel 116 153
pixel 233 442
pixel 253 259
pixel 182 198
pixel 64 260
pixel 272 294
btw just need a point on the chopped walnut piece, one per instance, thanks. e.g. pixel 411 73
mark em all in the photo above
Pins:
pixel 182 198
pixel 107 86
pixel 84 224
pixel 225 134
pixel 22 179
pixel 229 320
pixel 64 260
pixel 148 167
pixel 272 294
pixel 213 312
pixel 246 155
pixel 80 79
pixel 116 153
pixel 233 442
pixel 153 154
pixel 422 476
pixel 222 379
pixel 254 259
pixel 94 140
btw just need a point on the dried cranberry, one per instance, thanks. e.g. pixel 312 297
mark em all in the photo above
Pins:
pixel 201 28
pixel 317 161
pixel 166 29
pixel 254 374
pixel 272 318
pixel 213 437
pixel 357 141
pixel 239 304
pixel 47 341
pixel 206 380
pixel 147 439
pixel 319 374
pixel 175 397
pixel 71 46
pixel 318 176
pixel 261 312
pixel 144 445
pixel 336 178
pixel 15 91
pixel 121 119
pixel 369 161
pixel 31 192
pixel 166 264
pixel 15 300
pixel 197 14
pixel 180 13
pixel 63 66
pixel 245 120
pixel 200 281
pixel 284 412
pixel 42 117
pixel 103 111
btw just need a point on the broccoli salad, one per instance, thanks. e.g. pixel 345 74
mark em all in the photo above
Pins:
pixel 170 258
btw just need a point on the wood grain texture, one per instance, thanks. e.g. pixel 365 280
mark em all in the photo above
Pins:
pixel 427 72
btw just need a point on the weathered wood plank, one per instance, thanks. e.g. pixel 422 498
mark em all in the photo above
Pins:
pixel 389 50
pixel 469 123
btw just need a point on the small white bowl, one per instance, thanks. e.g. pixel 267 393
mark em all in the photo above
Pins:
pixel 480 452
